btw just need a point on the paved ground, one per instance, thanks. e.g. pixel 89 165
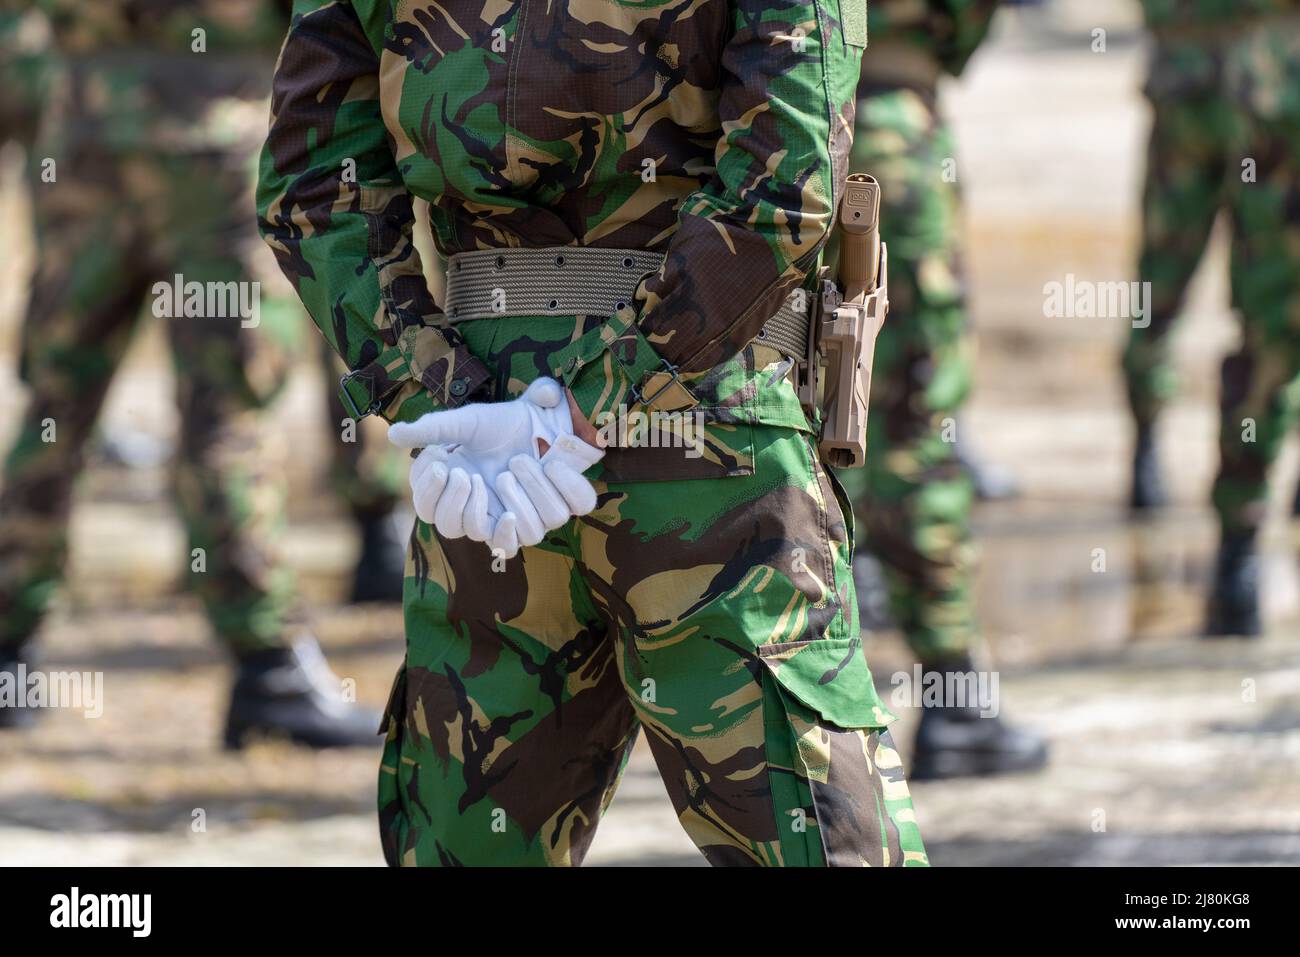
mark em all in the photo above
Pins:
pixel 1168 750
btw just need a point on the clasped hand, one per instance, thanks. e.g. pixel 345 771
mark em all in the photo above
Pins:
pixel 482 475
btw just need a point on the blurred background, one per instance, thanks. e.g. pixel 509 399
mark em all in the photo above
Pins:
pixel 1166 749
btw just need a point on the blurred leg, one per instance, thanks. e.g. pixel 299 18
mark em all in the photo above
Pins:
pixel 1187 163
pixel 1257 407
pixel 1259 389
pixel 85 299
pixel 230 481
pixel 914 496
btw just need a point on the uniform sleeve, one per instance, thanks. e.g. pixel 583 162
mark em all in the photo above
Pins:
pixel 333 207
pixel 753 232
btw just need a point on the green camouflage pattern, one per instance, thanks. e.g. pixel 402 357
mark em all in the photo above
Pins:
pixel 427 102
pixel 948 30
pixel 98 260
pixel 709 598
pixel 165 75
pixel 165 26
pixel 113 223
pixel 717 614
pixel 1217 104
pixel 26 71
pixel 914 497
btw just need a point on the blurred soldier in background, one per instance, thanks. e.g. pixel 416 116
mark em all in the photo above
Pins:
pixel 24 71
pixel 915 496
pixel 147 146
pixel 1224 87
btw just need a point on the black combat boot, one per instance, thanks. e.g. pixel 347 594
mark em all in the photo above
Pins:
pixel 1234 595
pixel 955 741
pixel 1148 487
pixel 381 567
pixel 292 693
pixel 14 718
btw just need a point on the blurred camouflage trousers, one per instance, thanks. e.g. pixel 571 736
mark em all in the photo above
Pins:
pixel 366 473
pixel 1226 110
pixel 25 73
pixel 914 496
pixel 717 612
pixel 113 225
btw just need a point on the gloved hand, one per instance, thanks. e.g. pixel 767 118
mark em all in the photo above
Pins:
pixel 481 476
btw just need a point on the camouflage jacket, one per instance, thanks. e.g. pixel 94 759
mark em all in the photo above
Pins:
pixel 533 124
pixel 161 75
pixel 1175 14
pixel 948 30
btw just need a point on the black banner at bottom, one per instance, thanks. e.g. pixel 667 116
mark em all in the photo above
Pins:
pixel 922 908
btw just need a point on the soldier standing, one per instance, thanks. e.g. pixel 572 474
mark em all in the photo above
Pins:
pixel 143 177
pixel 1223 87
pixel 627 194
pixel 915 496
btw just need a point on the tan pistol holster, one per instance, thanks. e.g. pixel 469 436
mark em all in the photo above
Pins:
pixel 835 375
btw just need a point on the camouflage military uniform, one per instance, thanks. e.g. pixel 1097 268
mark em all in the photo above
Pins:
pixel 24 71
pixel 1224 87
pixel 151 180
pixel 188 158
pixel 915 497
pixel 708 599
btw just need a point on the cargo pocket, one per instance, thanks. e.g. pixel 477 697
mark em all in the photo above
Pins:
pixel 685 449
pixel 837 784
pixel 392 817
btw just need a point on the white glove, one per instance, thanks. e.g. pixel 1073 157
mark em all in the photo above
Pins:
pixel 480 475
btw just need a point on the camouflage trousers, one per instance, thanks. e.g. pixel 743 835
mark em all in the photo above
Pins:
pixel 914 497
pixel 716 613
pixel 1226 139
pixel 109 227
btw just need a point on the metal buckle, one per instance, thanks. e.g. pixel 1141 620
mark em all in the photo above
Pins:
pixel 350 404
pixel 642 399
